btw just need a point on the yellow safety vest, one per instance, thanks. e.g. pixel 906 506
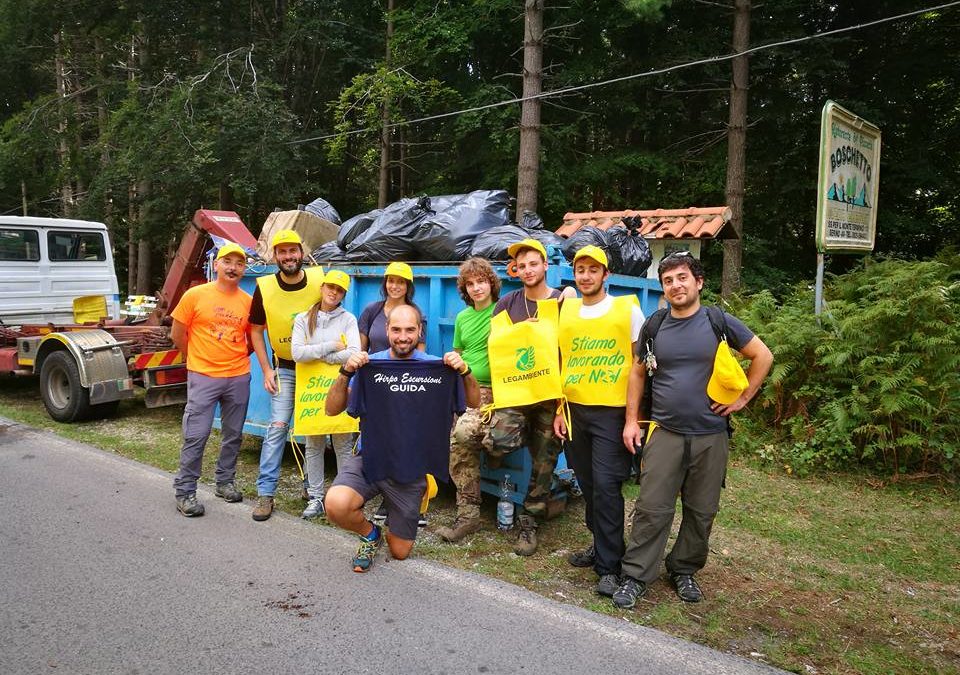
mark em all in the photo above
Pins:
pixel 596 354
pixel 282 307
pixel 314 379
pixel 524 359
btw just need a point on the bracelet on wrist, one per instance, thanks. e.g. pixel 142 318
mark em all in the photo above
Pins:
pixel 466 371
pixel 346 373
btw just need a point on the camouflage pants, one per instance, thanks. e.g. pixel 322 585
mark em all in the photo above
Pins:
pixel 531 425
pixel 466 444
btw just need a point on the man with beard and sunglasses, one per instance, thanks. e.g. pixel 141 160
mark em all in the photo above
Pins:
pixel 277 300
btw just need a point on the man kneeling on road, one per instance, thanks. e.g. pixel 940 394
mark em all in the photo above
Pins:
pixel 405 400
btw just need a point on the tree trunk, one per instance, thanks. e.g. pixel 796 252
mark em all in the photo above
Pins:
pixel 23 195
pixel 131 239
pixel 528 164
pixel 63 148
pixel 737 148
pixel 384 190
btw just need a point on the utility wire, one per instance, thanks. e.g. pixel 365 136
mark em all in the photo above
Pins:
pixel 635 76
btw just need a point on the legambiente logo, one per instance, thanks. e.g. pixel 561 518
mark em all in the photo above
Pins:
pixel 525 359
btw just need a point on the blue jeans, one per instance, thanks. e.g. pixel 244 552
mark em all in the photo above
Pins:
pixel 271 452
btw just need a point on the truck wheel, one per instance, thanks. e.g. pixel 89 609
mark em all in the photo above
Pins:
pixel 65 399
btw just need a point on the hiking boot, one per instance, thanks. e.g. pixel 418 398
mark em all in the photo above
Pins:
pixel 304 494
pixel 686 587
pixel 461 528
pixel 585 558
pixel 629 592
pixel 264 507
pixel 380 516
pixel 367 551
pixel 189 506
pixel 608 585
pixel 526 536
pixel 422 520
pixel 228 492
pixel 314 508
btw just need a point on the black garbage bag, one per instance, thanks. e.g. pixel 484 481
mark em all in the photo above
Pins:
pixel 390 236
pixel 493 243
pixel 593 236
pixel 453 222
pixel 531 221
pixel 321 207
pixel 356 226
pixel 633 249
pixel 329 252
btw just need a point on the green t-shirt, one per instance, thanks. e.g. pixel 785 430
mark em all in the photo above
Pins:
pixel 470 332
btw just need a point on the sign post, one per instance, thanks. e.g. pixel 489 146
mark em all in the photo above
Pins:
pixel 848 186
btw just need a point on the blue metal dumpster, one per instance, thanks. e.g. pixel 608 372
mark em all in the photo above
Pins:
pixel 436 294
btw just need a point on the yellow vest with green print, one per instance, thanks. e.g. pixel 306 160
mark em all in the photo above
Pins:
pixel 596 354
pixel 524 361
pixel 281 307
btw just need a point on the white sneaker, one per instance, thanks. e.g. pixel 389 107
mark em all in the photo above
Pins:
pixel 314 508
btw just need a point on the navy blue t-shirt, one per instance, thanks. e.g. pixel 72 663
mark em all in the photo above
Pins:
pixel 406 409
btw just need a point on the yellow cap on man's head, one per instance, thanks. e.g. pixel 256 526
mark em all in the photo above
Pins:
pixel 593 252
pixel 513 249
pixel 337 278
pixel 399 269
pixel 229 248
pixel 286 237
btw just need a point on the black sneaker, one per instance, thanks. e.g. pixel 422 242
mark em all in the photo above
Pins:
pixel 422 520
pixel 189 506
pixel 629 592
pixel 686 587
pixel 608 585
pixel 585 558
pixel 228 492
pixel 380 517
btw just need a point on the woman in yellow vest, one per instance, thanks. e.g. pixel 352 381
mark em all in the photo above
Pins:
pixel 597 333
pixel 328 333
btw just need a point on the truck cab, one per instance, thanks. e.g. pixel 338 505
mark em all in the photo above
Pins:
pixel 45 263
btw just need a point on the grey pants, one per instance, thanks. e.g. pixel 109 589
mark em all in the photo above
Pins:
pixel 694 466
pixel 313 459
pixel 203 393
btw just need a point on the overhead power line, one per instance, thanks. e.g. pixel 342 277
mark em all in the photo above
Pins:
pixel 649 73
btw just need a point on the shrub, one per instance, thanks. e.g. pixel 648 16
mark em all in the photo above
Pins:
pixel 876 383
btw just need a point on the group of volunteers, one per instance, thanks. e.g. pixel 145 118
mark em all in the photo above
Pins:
pixel 533 368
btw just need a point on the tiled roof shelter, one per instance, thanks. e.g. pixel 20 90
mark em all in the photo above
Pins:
pixel 665 229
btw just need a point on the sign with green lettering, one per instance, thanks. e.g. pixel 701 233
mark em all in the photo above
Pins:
pixel 849 179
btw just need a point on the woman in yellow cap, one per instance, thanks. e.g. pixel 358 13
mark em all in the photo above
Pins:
pixel 326 332
pixel 397 290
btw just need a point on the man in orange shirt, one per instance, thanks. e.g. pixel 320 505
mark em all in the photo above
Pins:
pixel 210 327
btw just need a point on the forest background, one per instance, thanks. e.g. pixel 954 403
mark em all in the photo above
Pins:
pixel 137 113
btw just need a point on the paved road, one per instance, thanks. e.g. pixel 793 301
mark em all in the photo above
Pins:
pixel 99 574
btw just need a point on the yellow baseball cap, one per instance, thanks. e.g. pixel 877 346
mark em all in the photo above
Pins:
pixel 728 380
pixel 286 237
pixel 229 248
pixel 594 252
pixel 337 278
pixel 513 249
pixel 399 269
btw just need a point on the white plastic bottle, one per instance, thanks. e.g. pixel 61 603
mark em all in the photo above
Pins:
pixel 505 505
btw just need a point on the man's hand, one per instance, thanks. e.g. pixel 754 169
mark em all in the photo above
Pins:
pixel 724 410
pixel 455 361
pixel 632 436
pixel 270 381
pixel 356 362
pixel 559 427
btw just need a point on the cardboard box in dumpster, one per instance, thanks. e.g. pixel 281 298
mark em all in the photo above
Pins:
pixel 313 229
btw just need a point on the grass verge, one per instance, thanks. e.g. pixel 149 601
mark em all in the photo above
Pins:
pixel 833 574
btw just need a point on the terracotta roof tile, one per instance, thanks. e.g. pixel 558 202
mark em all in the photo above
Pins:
pixel 693 223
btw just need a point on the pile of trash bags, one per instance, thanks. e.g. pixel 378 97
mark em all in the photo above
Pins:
pixel 456 227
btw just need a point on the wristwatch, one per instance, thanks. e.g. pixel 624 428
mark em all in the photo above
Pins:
pixel 346 373
pixel 464 373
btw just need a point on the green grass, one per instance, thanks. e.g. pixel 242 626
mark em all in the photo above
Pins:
pixel 833 574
